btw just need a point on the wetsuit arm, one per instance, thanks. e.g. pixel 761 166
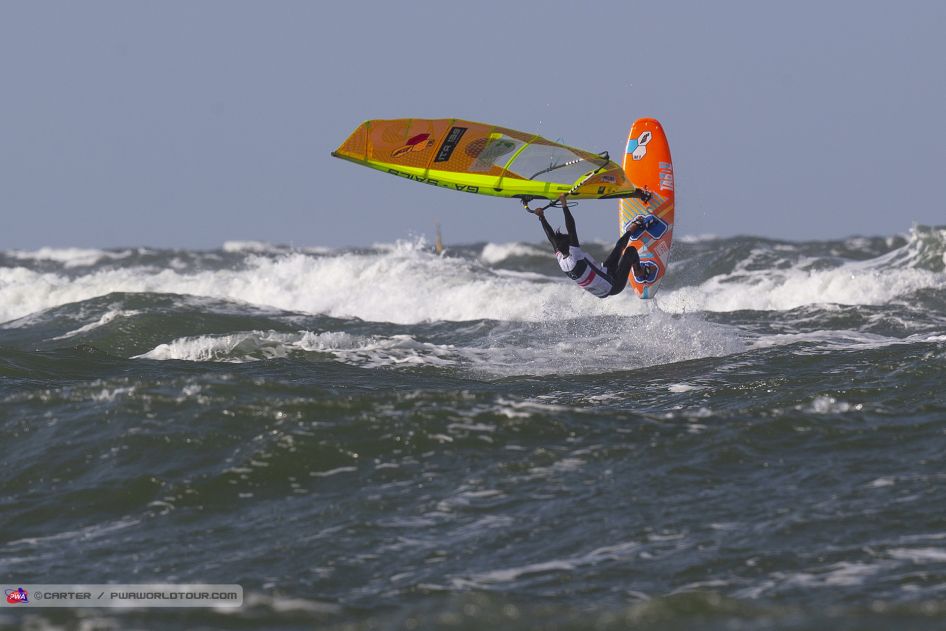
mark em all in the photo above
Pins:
pixel 570 224
pixel 548 231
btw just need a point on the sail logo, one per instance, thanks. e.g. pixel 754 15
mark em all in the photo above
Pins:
pixel 449 144
pixel 637 147
pixel 18 596
pixel 419 142
pixel 465 188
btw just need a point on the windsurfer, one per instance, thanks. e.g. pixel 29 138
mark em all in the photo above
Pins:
pixel 605 280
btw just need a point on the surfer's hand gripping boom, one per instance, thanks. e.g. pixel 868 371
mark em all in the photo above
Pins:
pixel 555 203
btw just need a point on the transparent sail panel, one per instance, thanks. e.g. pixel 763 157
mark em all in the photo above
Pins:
pixel 548 163
pixel 490 152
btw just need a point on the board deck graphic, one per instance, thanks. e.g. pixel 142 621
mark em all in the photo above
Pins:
pixel 647 163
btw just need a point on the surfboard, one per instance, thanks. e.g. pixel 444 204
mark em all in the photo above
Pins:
pixel 481 158
pixel 647 163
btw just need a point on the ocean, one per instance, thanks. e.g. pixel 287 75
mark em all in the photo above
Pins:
pixel 388 438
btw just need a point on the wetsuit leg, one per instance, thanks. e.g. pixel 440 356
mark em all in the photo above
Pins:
pixel 612 259
pixel 630 258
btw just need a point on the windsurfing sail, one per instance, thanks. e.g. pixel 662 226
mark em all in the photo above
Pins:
pixel 484 159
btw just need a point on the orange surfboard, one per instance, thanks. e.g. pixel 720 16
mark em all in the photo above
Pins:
pixel 647 164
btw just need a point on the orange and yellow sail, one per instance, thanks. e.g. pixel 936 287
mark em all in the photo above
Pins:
pixel 484 159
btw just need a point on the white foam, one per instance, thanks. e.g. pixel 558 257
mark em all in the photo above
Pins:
pixel 107 317
pixel 402 286
pixel 695 238
pixel 55 541
pixel 841 574
pixel 682 387
pixel 497 252
pixel 782 290
pixel 617 552
pixel 249 246
pixel 331 472
pixel 823 341
pixel 258 345
pixel 283 605
pixel 68 257
pixel 919 555
pixel 605 346
pixel 107 395
pixel 405 283
pixel 844 574
pixel 829 405
pixel 872 282
pixel 512 574
pixel 567 329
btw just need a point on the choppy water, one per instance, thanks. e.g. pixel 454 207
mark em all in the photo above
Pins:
pixel 386 438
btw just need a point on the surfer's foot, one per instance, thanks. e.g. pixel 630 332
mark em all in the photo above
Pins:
pixel 636 228
pixel 645 273
pixel 639 224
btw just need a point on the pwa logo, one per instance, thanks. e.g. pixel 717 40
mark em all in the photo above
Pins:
pixel 18 596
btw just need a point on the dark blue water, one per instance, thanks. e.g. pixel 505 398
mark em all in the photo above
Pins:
pixel 469 441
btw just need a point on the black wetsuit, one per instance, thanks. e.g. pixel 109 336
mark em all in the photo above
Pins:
pixel 616 267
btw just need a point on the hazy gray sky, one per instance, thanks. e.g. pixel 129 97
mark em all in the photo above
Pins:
pixel 186 124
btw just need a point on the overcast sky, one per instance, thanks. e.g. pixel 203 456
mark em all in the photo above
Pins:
pixel 186 124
